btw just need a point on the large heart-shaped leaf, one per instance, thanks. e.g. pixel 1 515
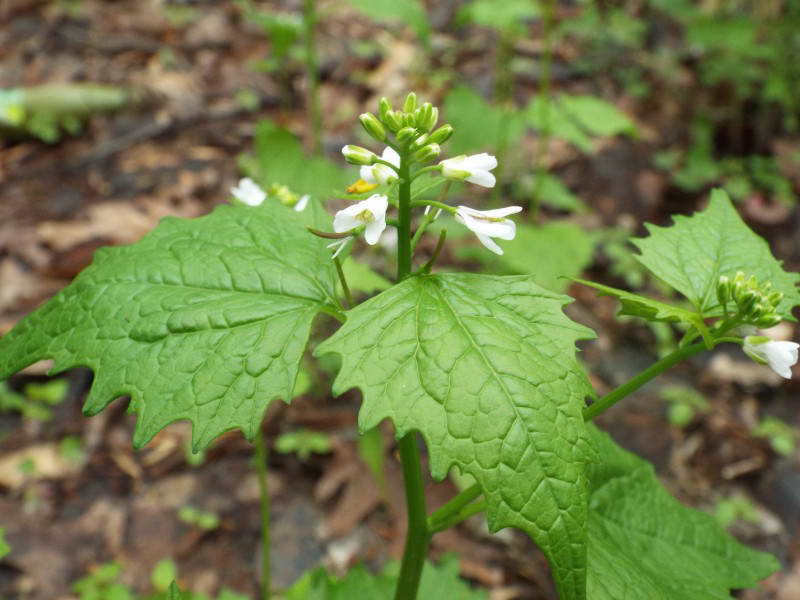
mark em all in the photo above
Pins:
pixel 484 367
pixel 203 319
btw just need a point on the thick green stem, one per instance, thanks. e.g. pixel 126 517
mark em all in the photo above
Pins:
pixel 312 72
pixel 404 219
pixel 261 470
pixel 417 536
pixel 642 378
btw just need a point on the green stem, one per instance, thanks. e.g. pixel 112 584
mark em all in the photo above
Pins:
pixel 462 515
pixel 261 470
pixel 417 536
pixel 312 72
pixel 404 219
pixel 430 217
pixel 548 16
pixel 343 280
pixel 428 169
pixel 426 268
pixel 610 399
pixel 454 506
pixel 436 204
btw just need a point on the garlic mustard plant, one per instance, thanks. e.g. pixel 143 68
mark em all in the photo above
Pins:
pixel 208 319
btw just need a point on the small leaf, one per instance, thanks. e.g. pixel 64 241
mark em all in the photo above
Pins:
pixel 484 367
pixel 4 547
pixel 645 544
pixel 164 574
pixel 693 254
pixel 203 319
pixel 410 12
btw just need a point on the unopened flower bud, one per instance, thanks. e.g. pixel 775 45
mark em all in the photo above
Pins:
pixel 373 127
pixel 747 300
pixel 409 120
pixel 767 321
pixel 419 142
pixel 775 298
pixel 427 153
pixel 405 134
pixel 392 120
pixel 384 106
pixel 427 115
pixel 724 290
pixel 356 155
pixel 441 135
pixel 410 105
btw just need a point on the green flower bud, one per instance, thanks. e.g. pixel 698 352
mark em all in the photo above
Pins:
pixel 441 135
pixel 775 298
pixel 427 153
pixel 392 120
pixel 767 321
pixel 410 105
pixel 747 300
pixel 427 115
pixel 405 134
pixel 724 290
pixel 409 120
pixel 758 311
pixel 373 127
pixel 419 142
pixel 356 155
pixel 384 106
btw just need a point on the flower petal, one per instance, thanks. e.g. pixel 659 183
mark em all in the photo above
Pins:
pixel 302 203
pixel 345 221
pixel 366 175
pixel 373 231
pixel 391 155
pixel 482 178
pixel 490 244
pixel 481 162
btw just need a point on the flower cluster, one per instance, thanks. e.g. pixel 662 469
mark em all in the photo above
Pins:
pixel 250 193
pixel 754 303
pixel 413 139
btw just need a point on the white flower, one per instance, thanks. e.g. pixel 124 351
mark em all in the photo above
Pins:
pixel 248 192
pixel 780 356
pixel 474 169
pixel 488 224
pixel 301 204
pixel 339 245
pixel 370 212
pixel 379 173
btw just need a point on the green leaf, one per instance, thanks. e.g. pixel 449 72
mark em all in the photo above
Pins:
pixel 440 581
pixel 362 278
pixel 597 116
pixel 484 367
pixel 577 119
pixel 551 253
pixel 280 159
pixel 552 192
pixel 175 593
pixel 164 574
pixel 693 253
pixel 4 547
pixel 203 319
pixel 509 15
pixel 645 544
pixel 410 12
pixel 477 124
